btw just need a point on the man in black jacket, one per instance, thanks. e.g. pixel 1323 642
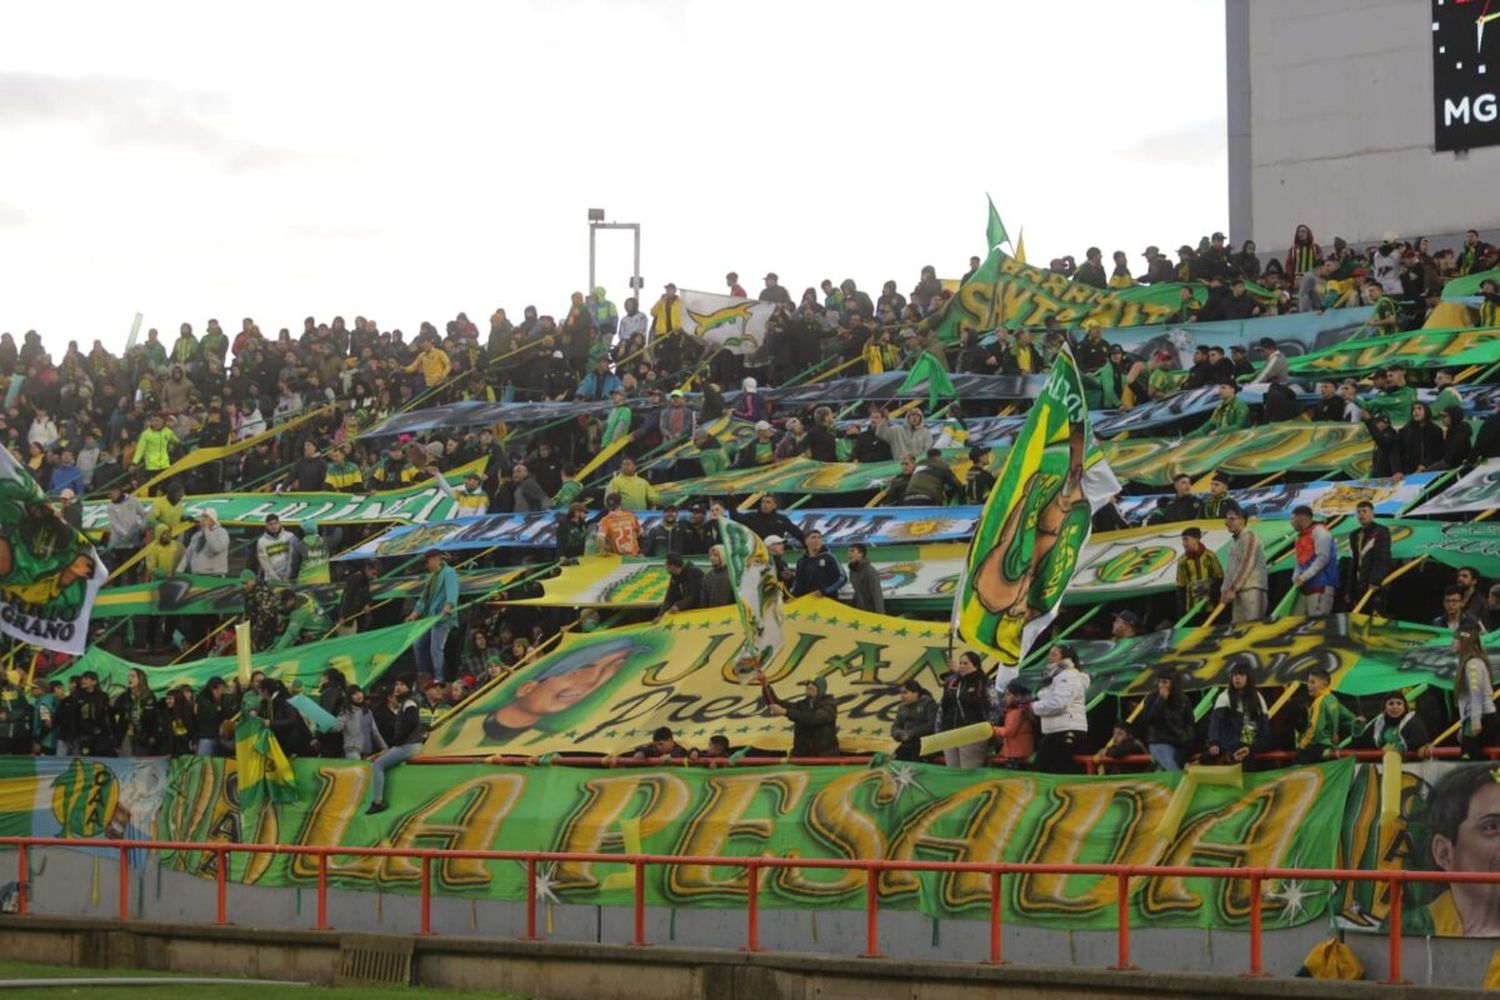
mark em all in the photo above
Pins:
pixel 1184 505
pixel 1386 461
pixel 1369 558
pixel 404 743
pixel 767 520
pixel 91 716
pixel 818 571
pixel 685 588
pixel 932 483
pixel 668 537
pixel 814 719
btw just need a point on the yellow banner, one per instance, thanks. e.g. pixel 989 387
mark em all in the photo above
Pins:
pixel 599 692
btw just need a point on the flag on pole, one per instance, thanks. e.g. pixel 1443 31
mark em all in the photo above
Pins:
pixel 928 369
pixel 1035 524
pixel 995 232
pixel 1021 246
pixel 757 594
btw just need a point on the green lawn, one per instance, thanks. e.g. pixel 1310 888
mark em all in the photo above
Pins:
pixel 24 970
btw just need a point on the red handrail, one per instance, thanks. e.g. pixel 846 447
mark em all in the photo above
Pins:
pixel 872 867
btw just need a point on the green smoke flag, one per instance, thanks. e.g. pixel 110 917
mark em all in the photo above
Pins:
pixel 994 232
pixel 930 370
pixel 1035 523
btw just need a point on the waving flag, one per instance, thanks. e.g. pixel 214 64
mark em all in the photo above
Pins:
pixel 724 321
pixel 1036 522
pixel 757 593
pixel 929 371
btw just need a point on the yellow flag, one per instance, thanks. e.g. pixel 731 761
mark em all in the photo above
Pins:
pixel 1021 246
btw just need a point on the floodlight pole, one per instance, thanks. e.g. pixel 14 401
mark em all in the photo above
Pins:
pixel 596 223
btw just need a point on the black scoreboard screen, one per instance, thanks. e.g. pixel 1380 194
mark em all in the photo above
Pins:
pixel 1465 73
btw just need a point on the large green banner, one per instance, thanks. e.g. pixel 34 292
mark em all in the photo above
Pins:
pixel 1255 451
pixel 896 812
pixel 215 595
pixel 416 504
pixel 1005 292
pixel 1423 349
pixel 362 658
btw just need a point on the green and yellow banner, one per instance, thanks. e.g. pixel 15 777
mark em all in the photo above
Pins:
pixel 362 658
pixel 603 692
pixel 1422 349
pixel 1004 292
pixel 1294 446
pixel 1036 522
pixel 893 812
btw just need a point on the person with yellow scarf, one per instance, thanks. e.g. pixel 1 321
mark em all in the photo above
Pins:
pixel 1327 719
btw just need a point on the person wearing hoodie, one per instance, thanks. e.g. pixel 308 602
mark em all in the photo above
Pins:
pixel 916 717
pixel 1456 441
pixel 814 719
pixel 1017 731
pixel 359 736
pixel 207 551
pixel 1169 722
pixel 910 436
pixel 1060 709
pixel 278 552
pixel 127 525
pixel 606 317
pixel 967 699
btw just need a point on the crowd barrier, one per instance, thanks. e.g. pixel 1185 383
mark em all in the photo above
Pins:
pixel 753 867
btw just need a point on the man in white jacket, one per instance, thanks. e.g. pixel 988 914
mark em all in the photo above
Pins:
pixel 1060 707
pixel 278 553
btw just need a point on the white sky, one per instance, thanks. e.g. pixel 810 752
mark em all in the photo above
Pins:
pixel 408 161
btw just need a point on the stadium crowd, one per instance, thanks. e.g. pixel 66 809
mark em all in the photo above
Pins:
pixel 95 424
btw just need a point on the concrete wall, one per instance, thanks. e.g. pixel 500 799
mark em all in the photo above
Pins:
pixel 1339 132
pixel 71 884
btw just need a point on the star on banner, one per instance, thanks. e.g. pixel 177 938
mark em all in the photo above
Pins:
pixel 904 777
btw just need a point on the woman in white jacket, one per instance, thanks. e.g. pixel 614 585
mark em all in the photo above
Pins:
pixel 1060 709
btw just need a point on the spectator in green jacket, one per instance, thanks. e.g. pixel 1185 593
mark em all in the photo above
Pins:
pixel 306 621
pixel 1230 415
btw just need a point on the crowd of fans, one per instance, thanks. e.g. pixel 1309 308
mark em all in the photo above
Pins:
pixel 101 425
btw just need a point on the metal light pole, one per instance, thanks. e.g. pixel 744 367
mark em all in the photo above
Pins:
pixel 596 223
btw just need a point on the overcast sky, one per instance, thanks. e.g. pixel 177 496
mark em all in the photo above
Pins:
pixel 406 162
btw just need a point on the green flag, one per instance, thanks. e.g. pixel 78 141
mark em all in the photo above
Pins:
pixel 1035 523
pixel 995 233
pixel 930 370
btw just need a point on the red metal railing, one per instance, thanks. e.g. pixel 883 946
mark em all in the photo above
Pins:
pixel 997 872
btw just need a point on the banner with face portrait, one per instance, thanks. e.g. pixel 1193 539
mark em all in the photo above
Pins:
pixel 599 692
pixel 1439 816
pixel 49 572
